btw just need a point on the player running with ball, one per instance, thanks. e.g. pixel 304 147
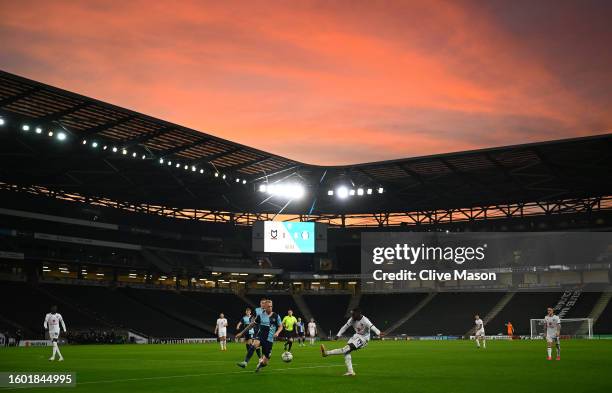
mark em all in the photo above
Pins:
pixel 553 331
pixel 360 339
pixel 270 326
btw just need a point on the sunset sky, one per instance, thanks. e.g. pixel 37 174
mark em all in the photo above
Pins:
pixel 332 82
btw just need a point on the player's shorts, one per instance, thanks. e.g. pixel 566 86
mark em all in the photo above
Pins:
pixel 266 348
pixel 551 337
pixel 479 333
pixel 289 333
pixel 222 332
pixel 248 336
pixel 300 334
pixel 54 335
pixel 312 333
pixel 358 341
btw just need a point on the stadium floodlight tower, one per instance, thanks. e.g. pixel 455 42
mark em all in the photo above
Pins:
pixel 570 327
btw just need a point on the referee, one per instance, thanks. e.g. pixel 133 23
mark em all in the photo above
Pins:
pixel 289 323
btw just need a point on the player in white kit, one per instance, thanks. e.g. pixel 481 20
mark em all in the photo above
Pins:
pixel 362 327
pixel 221 331
pixel 312 331
pixel 479 333
pixel 52 323
pixel 553 331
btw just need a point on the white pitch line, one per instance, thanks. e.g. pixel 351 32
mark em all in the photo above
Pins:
pixel 182 376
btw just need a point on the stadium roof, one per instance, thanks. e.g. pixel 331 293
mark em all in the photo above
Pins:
pixel 547 171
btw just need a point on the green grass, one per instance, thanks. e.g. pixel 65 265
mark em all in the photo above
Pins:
pixel 416 366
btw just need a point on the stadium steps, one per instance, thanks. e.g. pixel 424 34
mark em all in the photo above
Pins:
pixel 597 310
pixel 25 332
pixel 246 300
pixel 176 316
pixel 411 313
pixel 494 311
pixel 305 310
pixel 156 260
pixel 353 303
pixel 76 307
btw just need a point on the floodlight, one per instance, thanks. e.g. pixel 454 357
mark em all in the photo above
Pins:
pixel 61 136
pixel 342 192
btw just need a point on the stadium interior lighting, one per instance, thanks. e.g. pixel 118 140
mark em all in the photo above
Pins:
pixel 237 180
pixel 38 130
pixel 223 177
pixel 268 275
pixel 243 181
pixel 114 149
pixel 124 152
pixel 360 191
pixel 342 192
pixel 369 191
pixel 84 141
pixel 178 165
pixel 143 156
pixel 352 192
pixel 284 190
pixel 2 121
pixel 261 283
pixel 50 133
pixel 380 190
pixel 186 167
pixel 216 174
pixel 201 170
pixel 330 192
pixel 161 160
pixel 105 147
pixel 25 127
pixel 61 136
pixel 134 154
pixel 94 144
pixel 193 168
pixel 169 163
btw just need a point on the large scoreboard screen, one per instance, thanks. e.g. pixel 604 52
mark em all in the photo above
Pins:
pixel 289 237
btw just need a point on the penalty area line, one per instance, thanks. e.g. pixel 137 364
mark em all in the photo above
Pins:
pixel 185 376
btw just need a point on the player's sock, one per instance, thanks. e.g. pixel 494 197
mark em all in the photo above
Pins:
pixel 285 345
pixel 484 343
pixel 290 345
pixel 250 352
pixel 247 347
pixel 558 349
pixel 258 351
pixel 339 351
pixel 478 343
pixel 549 351
pixel 56 350
pixel 348 360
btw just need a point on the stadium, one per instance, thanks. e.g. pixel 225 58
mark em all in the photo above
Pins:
pixel 144 242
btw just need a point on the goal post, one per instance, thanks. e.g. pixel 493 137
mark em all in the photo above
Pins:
pixel 570 327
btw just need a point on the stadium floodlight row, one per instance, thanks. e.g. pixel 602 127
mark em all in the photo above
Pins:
pixel 547 172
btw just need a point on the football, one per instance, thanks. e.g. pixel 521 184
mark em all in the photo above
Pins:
pixel 287 357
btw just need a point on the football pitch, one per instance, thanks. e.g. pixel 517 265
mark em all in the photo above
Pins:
pixel 389 366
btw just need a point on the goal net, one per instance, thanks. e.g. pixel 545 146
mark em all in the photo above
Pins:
pixel 570 327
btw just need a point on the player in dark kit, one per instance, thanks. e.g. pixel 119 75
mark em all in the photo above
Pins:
pixel 301 332
pixel 270 326
pixel 246 319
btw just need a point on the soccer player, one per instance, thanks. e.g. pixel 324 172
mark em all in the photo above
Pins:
pixel 553 331
pixel 246 319
pixel 289 322
pixel 52 323
pixel 300 331
pixel 479 333
pixel 312 331
pixel 362 327
pixel 221 331
pixel 270 326
pixel 510 329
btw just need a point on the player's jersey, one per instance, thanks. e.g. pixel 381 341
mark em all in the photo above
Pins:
pixel 552 324
pixel 479 324
pixel 246 320
pixel 312 326
pixel 300 327
pixel 221 323
pixel 289 322
pixel 268 324
pixel 53 321
pixel 362 327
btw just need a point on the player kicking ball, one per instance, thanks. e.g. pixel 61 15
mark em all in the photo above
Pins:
pixel 52 323
pixel 270 326
pixel 360 339
pixel 479 332
pixel 553 332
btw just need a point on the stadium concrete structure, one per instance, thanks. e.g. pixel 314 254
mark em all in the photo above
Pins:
pixel 122 219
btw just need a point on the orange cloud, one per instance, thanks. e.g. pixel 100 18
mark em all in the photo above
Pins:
pixel 330 82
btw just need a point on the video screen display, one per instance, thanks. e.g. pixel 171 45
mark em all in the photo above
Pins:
pixel 291 237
